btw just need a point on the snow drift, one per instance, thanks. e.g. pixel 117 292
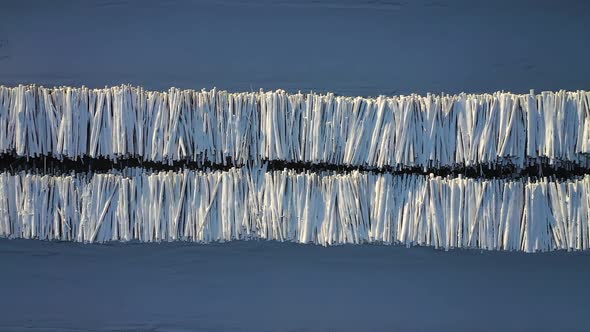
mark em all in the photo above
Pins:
pixel 551 128
pixel 327 208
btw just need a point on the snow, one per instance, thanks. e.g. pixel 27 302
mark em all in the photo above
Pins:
pixel 268 286
pixel 351 47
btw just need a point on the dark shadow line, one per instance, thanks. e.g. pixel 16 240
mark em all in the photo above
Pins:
pixel 48 165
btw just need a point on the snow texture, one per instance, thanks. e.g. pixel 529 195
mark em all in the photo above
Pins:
pixel 350 47
pixel 268 286
pixel 247 128
pixel 327 209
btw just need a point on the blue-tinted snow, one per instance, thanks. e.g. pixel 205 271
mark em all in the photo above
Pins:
pixel 267 286
pixel 351 47
pixel 348 47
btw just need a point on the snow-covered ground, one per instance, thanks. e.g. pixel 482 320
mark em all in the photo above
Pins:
pixel 267 286
pixel 350 47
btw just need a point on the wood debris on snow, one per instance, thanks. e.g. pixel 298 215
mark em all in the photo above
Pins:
pixel 325 208
pixel 248 128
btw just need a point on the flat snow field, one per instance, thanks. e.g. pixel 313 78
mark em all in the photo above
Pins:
pixel 269 286
pixel 351 47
